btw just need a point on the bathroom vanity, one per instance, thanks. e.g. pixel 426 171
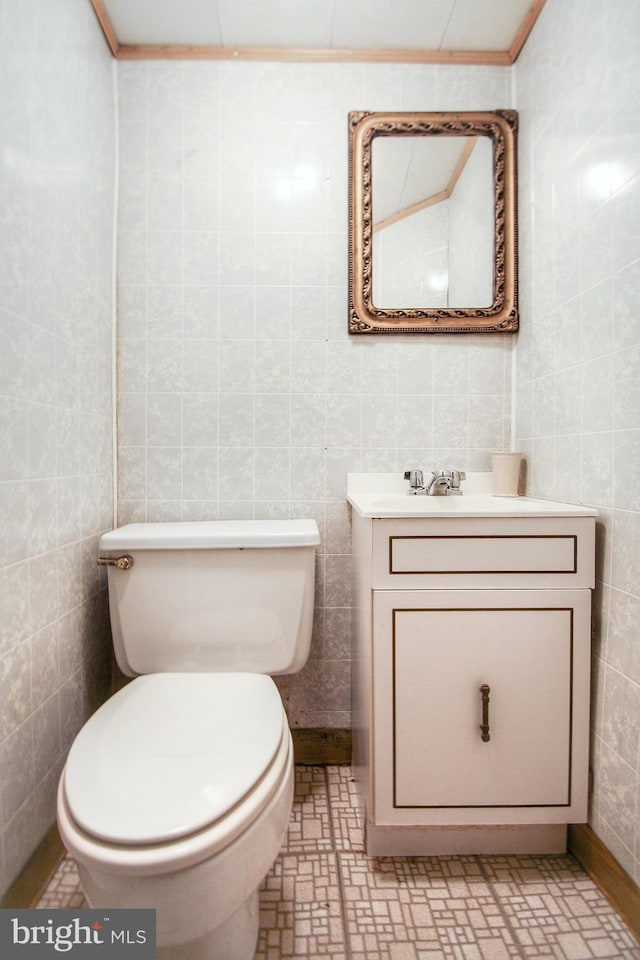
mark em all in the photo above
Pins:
pixel 471 668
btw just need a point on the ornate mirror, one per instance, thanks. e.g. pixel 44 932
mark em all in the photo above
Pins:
pixel 433 233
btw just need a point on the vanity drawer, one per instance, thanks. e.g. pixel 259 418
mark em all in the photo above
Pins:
pixel 536 552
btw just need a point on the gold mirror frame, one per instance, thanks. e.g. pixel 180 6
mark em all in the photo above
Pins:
pixel 502 315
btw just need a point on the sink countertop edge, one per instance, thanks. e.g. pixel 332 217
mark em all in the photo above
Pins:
pixel 368 506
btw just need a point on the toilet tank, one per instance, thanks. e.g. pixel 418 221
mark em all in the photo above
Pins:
pixel 223 595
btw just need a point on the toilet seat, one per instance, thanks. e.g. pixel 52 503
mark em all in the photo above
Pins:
pixel 162 858
pixel 181 763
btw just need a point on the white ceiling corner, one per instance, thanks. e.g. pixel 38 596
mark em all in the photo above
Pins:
pixel 426 25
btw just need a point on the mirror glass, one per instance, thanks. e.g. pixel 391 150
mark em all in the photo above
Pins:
pixel 433 231
pixel 432 209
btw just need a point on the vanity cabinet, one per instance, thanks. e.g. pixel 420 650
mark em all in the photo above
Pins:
pixel 471 681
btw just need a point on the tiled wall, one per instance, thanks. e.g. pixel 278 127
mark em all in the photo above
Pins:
pixel 240 391
pixel 578 354
pixel 57 158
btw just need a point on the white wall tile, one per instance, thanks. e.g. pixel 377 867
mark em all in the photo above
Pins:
pixel 55 389
pixel 579 189
pixel 278 401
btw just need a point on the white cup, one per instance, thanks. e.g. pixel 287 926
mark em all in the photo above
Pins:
pixel 506 473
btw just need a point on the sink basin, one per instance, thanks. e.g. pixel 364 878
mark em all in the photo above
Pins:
pixel 410 506
pixel 482 506
pixel 424 504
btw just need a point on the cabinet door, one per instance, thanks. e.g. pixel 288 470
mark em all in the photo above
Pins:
pixel 438 657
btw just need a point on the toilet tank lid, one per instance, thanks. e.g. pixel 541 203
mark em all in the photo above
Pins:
pixel 212 534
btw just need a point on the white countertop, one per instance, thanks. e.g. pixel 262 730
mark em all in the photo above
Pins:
pixel 384 495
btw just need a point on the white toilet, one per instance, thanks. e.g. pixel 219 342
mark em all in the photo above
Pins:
pixel 177 792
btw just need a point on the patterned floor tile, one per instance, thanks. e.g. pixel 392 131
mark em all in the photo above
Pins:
pixel 422 909
pixel 310 826
pixel 63 890
pixel 345 809
pixel 527 869
pixel 301 910
pixel 325 898
pixel 557 911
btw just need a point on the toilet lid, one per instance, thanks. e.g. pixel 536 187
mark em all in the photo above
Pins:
pixel 171 753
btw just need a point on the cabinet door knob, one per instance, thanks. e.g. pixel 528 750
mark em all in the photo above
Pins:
pixel 485 690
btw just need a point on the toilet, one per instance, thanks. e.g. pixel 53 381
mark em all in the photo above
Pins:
pixel 177 792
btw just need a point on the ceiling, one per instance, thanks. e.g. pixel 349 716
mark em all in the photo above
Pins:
pixel 476 31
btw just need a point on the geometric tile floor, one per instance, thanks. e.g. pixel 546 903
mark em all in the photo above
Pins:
pixel 325 898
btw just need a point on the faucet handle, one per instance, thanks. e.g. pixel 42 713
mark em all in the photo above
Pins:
pixel 415 478
pixel 456 477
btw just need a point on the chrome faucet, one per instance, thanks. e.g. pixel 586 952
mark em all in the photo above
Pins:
pixel 445 482
pixel 440 484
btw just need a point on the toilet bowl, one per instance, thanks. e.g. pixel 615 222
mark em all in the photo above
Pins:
pixel 182 817
pixel 177 792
